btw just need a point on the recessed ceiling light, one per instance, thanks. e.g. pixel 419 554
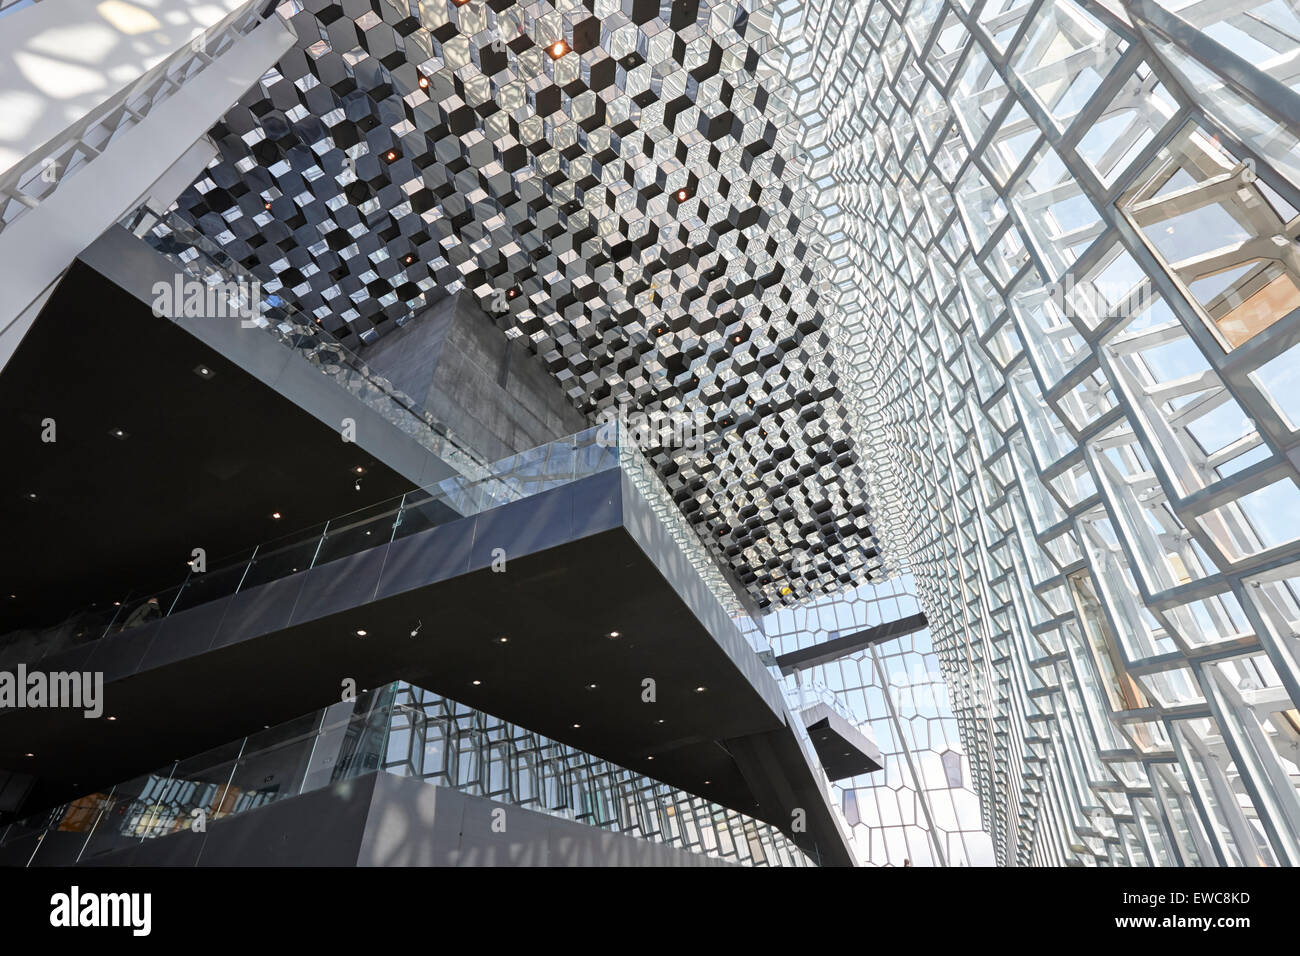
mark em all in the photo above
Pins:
pixel 119 434
pixel 391 156
pixel 112 718
pixel 659 721
pixel 266 205
pixel 361 633
pixel 359 470
pixel 701 689
pixel 558 49
pixel 202 371
pixel 649 758
pixel 592 686
pixel 29 755
pixel 503 639
pixel 613 634
pixel 476 683
pixel 423 81
pixel 31 496
pixel 576 726
pixel 683 195
pixel 275 515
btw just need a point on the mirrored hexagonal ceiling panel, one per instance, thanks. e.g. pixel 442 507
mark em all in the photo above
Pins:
pixel 617 182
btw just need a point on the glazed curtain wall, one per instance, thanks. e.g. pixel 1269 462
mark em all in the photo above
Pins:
pixel 920 808
pixel 1063 236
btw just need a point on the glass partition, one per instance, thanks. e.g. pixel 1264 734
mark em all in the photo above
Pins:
pixel 404 730
pixel 519 476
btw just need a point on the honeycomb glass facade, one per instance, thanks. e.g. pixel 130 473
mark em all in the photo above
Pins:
pixel 984 316
pixel 1063 237
pixel 920 808
pixel 407 731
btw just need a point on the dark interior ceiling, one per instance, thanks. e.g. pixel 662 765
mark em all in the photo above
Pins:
pixel 556 606
pixel 559 674
pixel 205 462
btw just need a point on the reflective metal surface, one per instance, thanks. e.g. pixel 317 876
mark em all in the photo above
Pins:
pixel 618 183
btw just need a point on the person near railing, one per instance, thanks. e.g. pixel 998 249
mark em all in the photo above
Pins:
pixel 145 612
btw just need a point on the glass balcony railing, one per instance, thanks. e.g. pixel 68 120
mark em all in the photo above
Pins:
pixel 799 697
pixel 648 483
pixel 511 479
pixel 407 731
pixel 198 257
pixel 597 449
